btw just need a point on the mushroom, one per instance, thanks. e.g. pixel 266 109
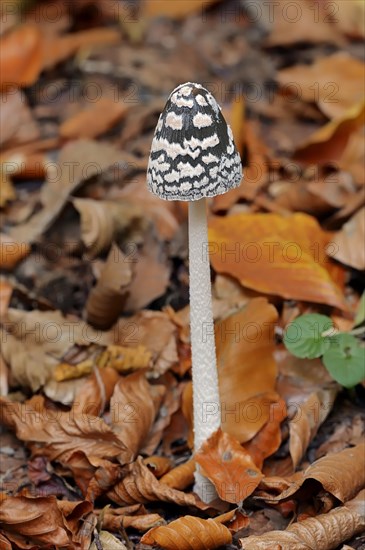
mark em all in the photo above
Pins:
pixel 193 156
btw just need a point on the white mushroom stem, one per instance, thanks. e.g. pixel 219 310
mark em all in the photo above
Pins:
pixel 206 402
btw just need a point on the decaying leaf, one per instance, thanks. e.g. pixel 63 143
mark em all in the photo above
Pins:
pixel 275 254
pixel 348 243
pixel 107 299
pixel 141 486
pixel 189 533
pixel 229 467
pixel 324 532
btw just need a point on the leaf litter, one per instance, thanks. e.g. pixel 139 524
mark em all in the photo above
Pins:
pixel 95 365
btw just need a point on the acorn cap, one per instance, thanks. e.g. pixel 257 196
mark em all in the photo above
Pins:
pixel 193 154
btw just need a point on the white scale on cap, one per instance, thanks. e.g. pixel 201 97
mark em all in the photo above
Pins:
pixel 193 154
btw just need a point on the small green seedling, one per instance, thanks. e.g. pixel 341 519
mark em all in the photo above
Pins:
pixel 343 354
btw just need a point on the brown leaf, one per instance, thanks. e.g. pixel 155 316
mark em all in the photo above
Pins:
pixel 133 410
pixel 95 393
pixel 21 56
pixel 340 474
pixel 229 467
pixel 96 120
pixel 140 486
pixel 122 358
pixel 103 221
pixel 307 420
pixel 57 435
pixel 189 533
pixel 333 82
pixel 107 299
pixel 27 522
pixel 176 10
pixel 17 124
pixel 159 465
pixel 180 477
pixel 257 250
pixel 115 518
pixel 11 251
pixel 325 532
pixel 6 290
pixel 348 243
pixel 329 142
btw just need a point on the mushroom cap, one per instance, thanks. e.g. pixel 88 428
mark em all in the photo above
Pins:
pixel 193 154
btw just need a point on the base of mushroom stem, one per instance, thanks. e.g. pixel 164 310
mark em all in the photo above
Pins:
pixel 204 488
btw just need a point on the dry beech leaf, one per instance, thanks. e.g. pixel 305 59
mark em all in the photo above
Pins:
pixel 140 486
pixel 94 395
pixel 180 477
pixel 229 467
pixel 340 474
pixel 7 191
pixel 4 377
pixel 56 434
pixel 307 420
pixel 159 465
pixel 334 82
pixel 6 290
pixel 329 142
pixel 21 56
pixel 349 242
pixel 107 299
pixel 276 255
pixel 96 120
pixel 29 522
pixel 324 532
pixel 133 410
pixel 350 18
pixel 122 358
pixel 109 541
pixel 189 533
pixel 103 221
pixel 176 10
pixel 115 518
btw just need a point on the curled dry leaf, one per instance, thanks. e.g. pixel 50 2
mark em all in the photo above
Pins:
pixel 340 474
pixel 11 251
pixel 29 522
pixel 96 120
pixel 229 467
pixel 329 142
pixel 159 465
pixel 133 410
pixel 256 250
pixel 115 518
pixel 189 533
pixel 305 423
pixel 180 477
pixel 140 486
pixel 103 221
pixel 122 358
pixel 334 82
pixel 56 434
pixel 21 56
pixel 94 395
pixel 107 299
pixel 348 243
pixel 324 532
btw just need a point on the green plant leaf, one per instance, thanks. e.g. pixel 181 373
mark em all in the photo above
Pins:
pixel 309 335
pixel 360 315
pixel 345 360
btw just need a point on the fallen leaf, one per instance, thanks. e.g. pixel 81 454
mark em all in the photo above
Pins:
pixel 107 299
pixel 6 290
pixel 329 142
pixel 27 522
pixel 115 518
pixel 324 532
pixel 333 82
pixel 7 191
pixel 17 124
pixel 140 486
pixel 94 395
pixel 349 17
pixel 159 465
pixel 12 251
pixel 347 244
pixel 122 358
pixel 255 248
pixel 94 121
pixel 133 410
pixel 180 477
pixel 107 540
pixel 307 420
pixel 21 56
pixel 176 10
pixel 103 221
pixel 189 533
pixel 291 23
pixel 229 467
pixel 4 377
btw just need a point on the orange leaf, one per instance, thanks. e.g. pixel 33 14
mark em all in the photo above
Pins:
pixel 21 56
pixel 180 477
pixel 11 251
pixel 189 533
pixel 93 121
pixel 159 465
pixel 229 467
pixel 275 254
pixel 177 9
